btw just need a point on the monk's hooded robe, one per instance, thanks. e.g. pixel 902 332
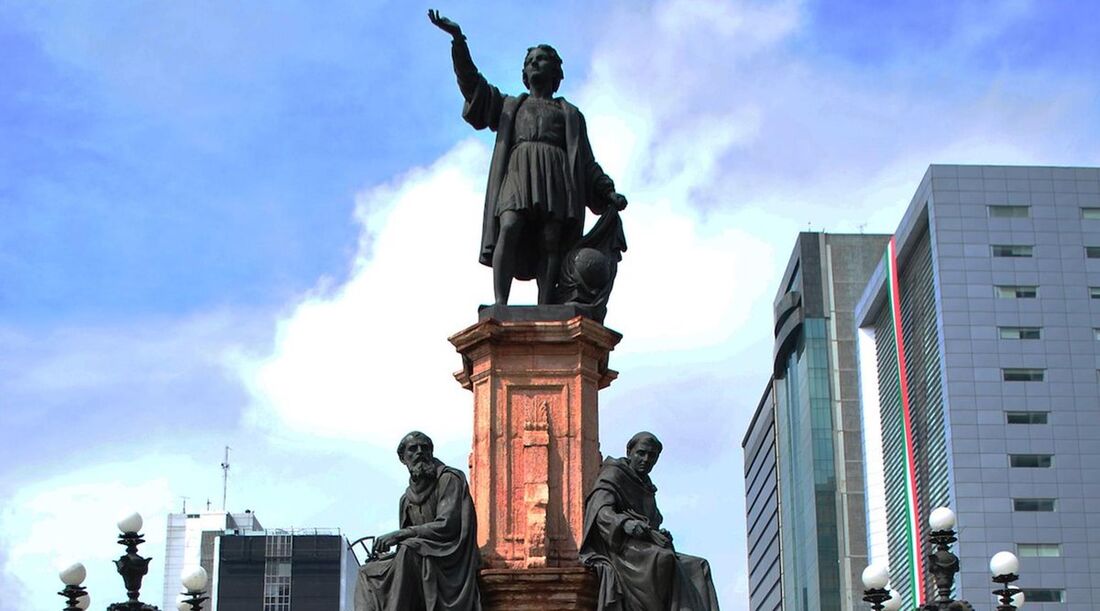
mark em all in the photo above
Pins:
pixel 553 186
pixel 637 574
pixel 435 569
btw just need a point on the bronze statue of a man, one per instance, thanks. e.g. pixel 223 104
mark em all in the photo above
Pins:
pixel 541 178
pixel 436 562
pixel 623 540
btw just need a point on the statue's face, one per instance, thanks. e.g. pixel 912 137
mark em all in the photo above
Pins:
pixel 539 67
pixel 418 451
pixel 643 456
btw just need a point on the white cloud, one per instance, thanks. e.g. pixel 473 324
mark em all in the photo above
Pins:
pixel 369 360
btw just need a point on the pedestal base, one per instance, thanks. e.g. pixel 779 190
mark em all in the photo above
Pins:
pixel 552 589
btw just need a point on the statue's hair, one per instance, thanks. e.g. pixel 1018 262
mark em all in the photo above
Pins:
pixel 553 53
pixel 644 435
pixel 412 435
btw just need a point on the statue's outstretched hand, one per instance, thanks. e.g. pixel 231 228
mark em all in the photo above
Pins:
pixel 618 200
pixel 444 24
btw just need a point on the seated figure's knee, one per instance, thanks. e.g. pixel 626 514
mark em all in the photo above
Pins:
pixel 665 558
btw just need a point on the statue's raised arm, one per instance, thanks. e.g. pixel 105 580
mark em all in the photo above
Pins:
pixel 483 102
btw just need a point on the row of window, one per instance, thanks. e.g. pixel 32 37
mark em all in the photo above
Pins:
pixel 1029 291
pixel 1032 333
pixel 1027 250
pixel 1023 212
pixel 1028 374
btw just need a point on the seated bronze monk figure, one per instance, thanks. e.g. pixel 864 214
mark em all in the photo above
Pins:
pixel 624 542
pixel 436 562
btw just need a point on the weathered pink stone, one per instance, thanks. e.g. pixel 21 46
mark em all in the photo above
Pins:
pixel 536 446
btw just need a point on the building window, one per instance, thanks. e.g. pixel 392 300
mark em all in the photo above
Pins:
pixel 1010 212
pixel 1031 461
pixel 277 571
pixel 1015 291
pixel 1094 292
pixel 1011 250
pixel 1090 213
pixel 1026 417
pixel 1044 595
pixel 1038 550
pixel 1032 504
pixel 278 545
pixel 1012 374
pixel 1092 252
pixel 277 585
pixel 1024 332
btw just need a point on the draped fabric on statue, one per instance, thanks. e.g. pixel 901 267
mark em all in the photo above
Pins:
pixel 637 574
pixel 435 569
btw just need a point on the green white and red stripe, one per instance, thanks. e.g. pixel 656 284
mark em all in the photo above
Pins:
pixel 912 523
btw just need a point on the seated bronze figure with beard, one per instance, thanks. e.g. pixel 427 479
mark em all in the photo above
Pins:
pixel 436 561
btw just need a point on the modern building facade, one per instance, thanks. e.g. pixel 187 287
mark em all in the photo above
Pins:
pixel 279 570
pixel 803 451
pixel 190 543
pixel 980 362
pixel 762 508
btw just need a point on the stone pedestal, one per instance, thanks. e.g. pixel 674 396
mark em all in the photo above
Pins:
pixel 553 589
pixel 536 447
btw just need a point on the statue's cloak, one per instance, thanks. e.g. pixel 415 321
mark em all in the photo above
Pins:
pixel 637 574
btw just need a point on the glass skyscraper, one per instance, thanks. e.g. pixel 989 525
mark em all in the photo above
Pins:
pixel 803 450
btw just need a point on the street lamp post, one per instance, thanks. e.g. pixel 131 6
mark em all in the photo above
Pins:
pixel 194 584
pixel 943 565
pixel 875 578
pixel 131 565
pixel 76 597
pixel 1005 567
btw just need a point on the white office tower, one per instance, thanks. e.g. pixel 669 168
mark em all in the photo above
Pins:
pixel 190 544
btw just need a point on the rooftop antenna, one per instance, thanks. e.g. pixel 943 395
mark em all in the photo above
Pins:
pixel 184 499
pixel 862 226
pixel 225 477
pixel 208 504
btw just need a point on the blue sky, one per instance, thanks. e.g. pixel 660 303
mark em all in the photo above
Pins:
pixel 255 224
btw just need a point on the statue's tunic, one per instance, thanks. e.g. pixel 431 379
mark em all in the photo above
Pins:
pixel 436 568
pixel 542 162
pixel 636 574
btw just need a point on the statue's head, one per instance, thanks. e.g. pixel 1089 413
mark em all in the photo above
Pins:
pixel 416 452
pixel 542 64
pixel 642 451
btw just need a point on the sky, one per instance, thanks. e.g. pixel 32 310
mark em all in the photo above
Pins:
pixel 254 225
